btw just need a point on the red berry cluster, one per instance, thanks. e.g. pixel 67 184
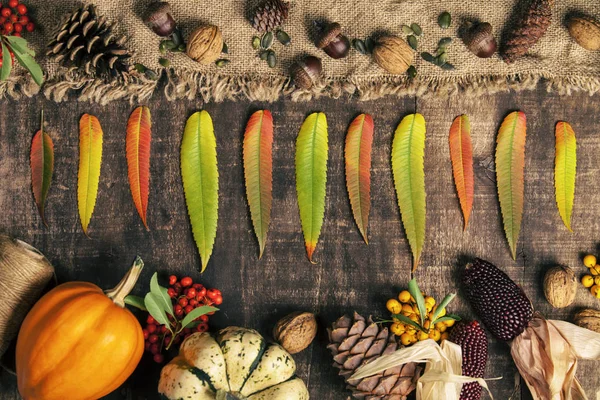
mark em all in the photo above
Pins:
pixel 186 295
pixel 14 19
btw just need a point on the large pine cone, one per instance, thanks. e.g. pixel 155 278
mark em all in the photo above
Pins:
pixel 355 342
pixel 85 41
pixel 270 15
pixel 529 30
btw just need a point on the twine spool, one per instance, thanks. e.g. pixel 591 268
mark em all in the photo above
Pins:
pixel 24 273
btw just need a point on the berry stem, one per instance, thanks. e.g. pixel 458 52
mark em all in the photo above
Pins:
pixel 119 292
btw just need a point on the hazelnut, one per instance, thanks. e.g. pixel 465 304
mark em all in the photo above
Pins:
pixel 393 54
pixel 205 44
pixel 159 19
pixel 480 39
pixel 585 31
pixel 560 286
pixel 332 41
pixel 296 331
pixel 588 319
pixel 306 72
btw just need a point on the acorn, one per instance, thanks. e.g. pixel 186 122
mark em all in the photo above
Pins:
pixel 331 40
pixel 159 19
pixel 306 72
pixel 480 40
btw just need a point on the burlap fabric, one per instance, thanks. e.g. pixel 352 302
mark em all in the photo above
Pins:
pixel 556 59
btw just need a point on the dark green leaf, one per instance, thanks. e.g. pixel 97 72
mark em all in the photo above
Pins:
pixel 30 65
pixel 416 29
pixel 444 20
pixel 283 37
pixel 135 301
pixel 177 38
pixel 412 41
pixel 359 45
pixel 428 57
pixel 271 59
pixel 415 292
pixel 165 62
pixel 263 55
pixel 6 63
pixel 141 68
pixel 196 312
pixel 442 305
pixel 407 30
pixel 408 321
pixel 448 67
pixel 446 318
pixel 222 62
pixel 157 312
pixel 20 45
pixel 267 40
pixel 442 59
pixel 225 49
pixel 370 45
pixel 170 45
pixel 412 71
pixel 161 294
pixel 444 42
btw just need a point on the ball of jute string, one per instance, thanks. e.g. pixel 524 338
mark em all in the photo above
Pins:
pixel 24 273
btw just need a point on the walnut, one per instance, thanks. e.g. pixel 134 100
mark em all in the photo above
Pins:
pixel 560 286
pixel 205 44
pixel 589 319
pixel 296 331
pixel 585 31
pixel 393 54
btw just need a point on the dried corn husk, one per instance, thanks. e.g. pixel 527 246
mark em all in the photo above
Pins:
pixel 24 273
pixel 442 378
pixel 546 355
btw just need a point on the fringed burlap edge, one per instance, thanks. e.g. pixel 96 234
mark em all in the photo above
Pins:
pixel 184 84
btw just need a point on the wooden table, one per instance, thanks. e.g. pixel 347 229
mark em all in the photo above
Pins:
pixel 349 275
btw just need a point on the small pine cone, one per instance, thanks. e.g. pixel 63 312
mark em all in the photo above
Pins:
pixel 529 30
pixel 473 341
pixel 270 15
pixel 500 304
pixel 355 342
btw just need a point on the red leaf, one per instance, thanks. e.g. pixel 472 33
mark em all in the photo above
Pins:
pixel 359 141
pixel 138 158
pixel 461 154
pixel 42 166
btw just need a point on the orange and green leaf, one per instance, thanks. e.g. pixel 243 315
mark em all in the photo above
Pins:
pixel 200 176
pixel 138 158
pixel 359 141
pixel 42 166
pixel 90 161
pixel 312 152
pixel 408 151
pixel 258 172
pixel 461 154
pixel 510 164
pixel 565 168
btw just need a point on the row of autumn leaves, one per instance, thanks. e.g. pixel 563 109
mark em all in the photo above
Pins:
pixel 201 178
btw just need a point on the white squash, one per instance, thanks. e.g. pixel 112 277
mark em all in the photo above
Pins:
pixel 236 365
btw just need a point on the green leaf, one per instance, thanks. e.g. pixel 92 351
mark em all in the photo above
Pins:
pixel 196 312
pixel 442 305
pixel 408 321
pixel 135 301
pixel 19 44
pixel 201 181
pixel 164 300
pixel 311 177
pixel 415 292
pixel 28 62
pixel 449 317
pixel 6 63
pixel 152 305
pixel 408 150
pixel 565 169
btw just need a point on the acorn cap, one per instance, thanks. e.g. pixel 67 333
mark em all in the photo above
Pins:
pixel 329 34
pixel 306 72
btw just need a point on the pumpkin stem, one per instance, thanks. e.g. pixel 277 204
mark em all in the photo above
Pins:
pixel 119 292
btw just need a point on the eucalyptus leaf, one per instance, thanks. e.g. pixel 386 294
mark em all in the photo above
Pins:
pixel 408 321
pixel 161 294
pixel 135 301
pixel 153 307
pixel 197 312
pixel 6 63
pixel 30 65
pixel 415 292
pixel 442 305
pixel 19 44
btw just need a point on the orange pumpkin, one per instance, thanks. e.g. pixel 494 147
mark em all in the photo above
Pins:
pixel 79 343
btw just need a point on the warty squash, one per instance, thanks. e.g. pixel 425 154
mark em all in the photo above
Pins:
pixel 237 364
pixel 79 343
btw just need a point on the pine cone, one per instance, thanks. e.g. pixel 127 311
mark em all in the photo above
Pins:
pixel 528 31
pixel 270 15
pixel 85 41
pixel 355 342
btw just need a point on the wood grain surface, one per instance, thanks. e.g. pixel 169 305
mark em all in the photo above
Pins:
pixel 349 275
